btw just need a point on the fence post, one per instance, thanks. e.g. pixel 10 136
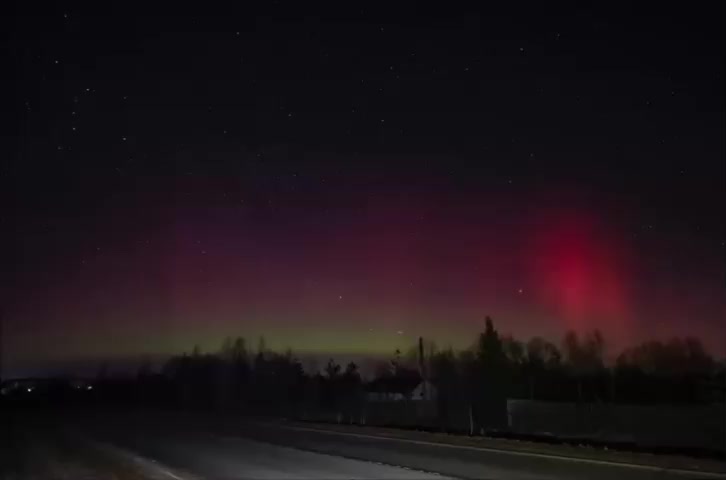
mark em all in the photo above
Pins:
pixel 471 420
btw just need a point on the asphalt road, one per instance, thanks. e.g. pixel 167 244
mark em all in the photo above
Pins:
pixel 234 449
pixel 220 457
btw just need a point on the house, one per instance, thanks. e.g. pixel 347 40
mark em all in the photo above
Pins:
pixel 425 390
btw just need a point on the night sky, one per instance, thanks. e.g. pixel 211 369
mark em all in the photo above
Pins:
pixel 343 180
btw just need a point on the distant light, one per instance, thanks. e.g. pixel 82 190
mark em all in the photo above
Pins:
pixel 29 389
pixel 90 387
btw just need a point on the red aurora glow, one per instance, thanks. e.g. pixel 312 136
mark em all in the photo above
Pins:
pixel 581 272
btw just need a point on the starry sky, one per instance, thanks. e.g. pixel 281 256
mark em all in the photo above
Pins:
pixel 344 179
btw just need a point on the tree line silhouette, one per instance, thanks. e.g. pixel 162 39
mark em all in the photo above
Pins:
pixel 476 380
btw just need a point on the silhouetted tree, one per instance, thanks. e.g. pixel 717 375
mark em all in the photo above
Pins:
pixel 491 374
pixel 541 368
pixel 470 385
pixel 679 370
pixel 352 391
pixel 584 360
pixel 513 350
pixel 332 385
pixel 332 370
pixel 445 376
pixel 351 372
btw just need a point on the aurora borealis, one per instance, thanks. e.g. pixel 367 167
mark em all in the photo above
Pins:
pixel 331 216
pixel 365 277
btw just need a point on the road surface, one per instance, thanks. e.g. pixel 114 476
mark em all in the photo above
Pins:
pixel 190 447
pixel 235 449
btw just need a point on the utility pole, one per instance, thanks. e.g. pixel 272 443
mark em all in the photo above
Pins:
pixel 1 346
pixel 422 369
